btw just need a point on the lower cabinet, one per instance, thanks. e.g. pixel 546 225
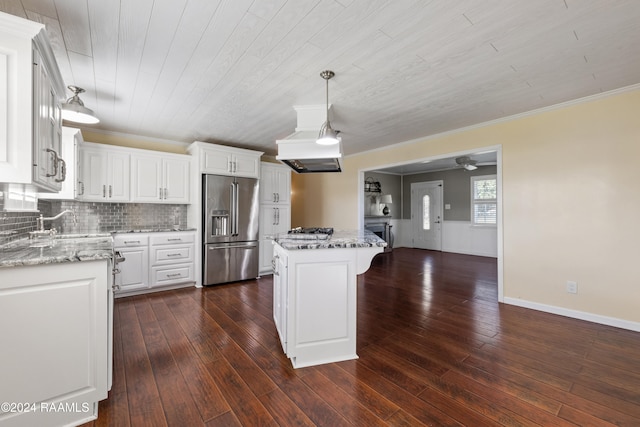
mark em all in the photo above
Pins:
pixel 154 261
pixel 134 271
pixel 55 328
pixel 172 258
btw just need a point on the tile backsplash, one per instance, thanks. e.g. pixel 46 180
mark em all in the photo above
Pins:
pixel 101 217
pixel 16 225
pixel 92 217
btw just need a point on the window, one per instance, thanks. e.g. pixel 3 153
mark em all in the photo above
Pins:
pixel 484 200
pixel 426 209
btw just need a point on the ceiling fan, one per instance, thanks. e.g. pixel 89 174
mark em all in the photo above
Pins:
pixel 467 163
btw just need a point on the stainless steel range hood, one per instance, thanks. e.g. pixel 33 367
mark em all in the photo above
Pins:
pixel 299 150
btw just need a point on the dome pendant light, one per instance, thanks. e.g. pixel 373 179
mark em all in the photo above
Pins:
pixel 74 110
pixel 327 136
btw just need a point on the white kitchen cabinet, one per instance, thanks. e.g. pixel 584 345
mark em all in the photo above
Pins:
pixel 275 209
pixel 54 342
pixel 49 166
pixel 159 179
pixel 134 270
pixel 31 88
pixel 275 183
pixel 71 139
pixel 223 160
pixel 153 261
pixel 274 219
pixel 172 258
pixel 103 173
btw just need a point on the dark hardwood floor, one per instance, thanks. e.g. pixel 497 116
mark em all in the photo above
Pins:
pixel 435 349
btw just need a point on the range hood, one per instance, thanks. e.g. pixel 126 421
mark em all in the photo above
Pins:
pixel 300 151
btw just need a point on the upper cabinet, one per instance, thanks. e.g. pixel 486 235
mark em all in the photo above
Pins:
pixel 110 173
pixel 159 179
pixel 223 160
pixel 103 175
pixel 275 183
pixel 71 140
pixel 31 89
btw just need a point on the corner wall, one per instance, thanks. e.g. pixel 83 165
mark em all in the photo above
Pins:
pixel 570 202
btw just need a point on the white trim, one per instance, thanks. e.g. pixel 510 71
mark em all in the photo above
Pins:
pixel 575 314
pixel 502 120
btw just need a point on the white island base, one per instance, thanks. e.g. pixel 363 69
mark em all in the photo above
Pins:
pixel 315 301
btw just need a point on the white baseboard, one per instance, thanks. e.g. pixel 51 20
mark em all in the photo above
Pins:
pixel 575 314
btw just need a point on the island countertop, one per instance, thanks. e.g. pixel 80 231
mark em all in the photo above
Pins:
pixel 65 248
pixel 339 239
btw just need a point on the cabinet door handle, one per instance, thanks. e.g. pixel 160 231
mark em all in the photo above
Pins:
pixel 274 217
pixel 82 188
pixel 177 239
pixel 173 255
pixel 277 216
pixel 160 193
pixel 104 191
pixel 110 191
pixel 55 157
pixel 127 242
pixel 63 170
pixel 165 192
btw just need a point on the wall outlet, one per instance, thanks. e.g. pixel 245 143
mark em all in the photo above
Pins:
pixel 572 287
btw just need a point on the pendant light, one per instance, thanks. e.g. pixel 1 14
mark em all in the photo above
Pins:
pixel 74 110
pixel 327 136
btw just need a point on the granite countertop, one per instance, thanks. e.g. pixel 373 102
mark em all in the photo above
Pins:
pixel 65 248
pixel 339 239
pixel 153 230
pixel 85 246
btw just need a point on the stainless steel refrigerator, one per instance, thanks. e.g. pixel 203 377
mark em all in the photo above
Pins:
pixel 230 229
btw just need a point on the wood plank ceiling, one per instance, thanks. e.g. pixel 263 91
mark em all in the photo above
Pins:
pixel 230 71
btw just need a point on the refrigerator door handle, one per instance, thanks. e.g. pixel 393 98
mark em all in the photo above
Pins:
pixel 231 246
pixel 236 217
pixel 234 207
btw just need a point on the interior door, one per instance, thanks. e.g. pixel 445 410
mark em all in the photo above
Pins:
pixel 426 215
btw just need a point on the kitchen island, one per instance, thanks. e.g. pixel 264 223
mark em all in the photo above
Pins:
pixel 315 293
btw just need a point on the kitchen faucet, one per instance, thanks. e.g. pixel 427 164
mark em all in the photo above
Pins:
pixel 40 222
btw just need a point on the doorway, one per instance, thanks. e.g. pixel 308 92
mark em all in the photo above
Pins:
pixel 426 215
pixel 438 162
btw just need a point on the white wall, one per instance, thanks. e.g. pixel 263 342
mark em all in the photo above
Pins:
pixel 570 202
pixel 457 236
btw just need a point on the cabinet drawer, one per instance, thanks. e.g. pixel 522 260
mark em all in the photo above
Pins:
pixel 166 275
pixel 172 239
pixel 171 254
pixel 129 240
